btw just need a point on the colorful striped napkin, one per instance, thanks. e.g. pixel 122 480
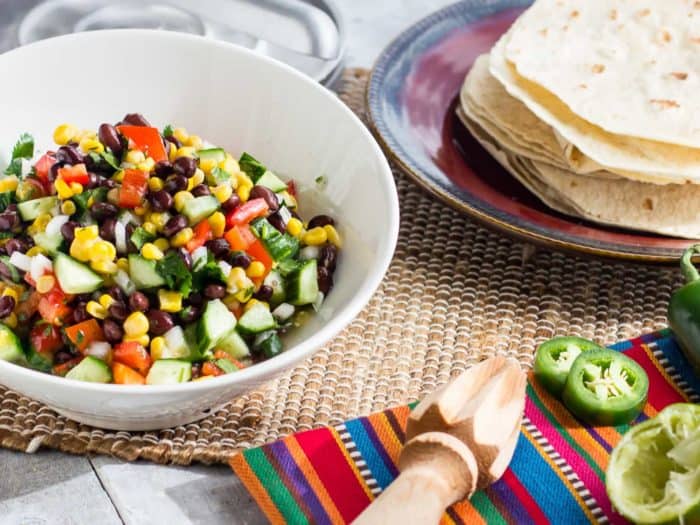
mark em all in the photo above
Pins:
pixel 330 475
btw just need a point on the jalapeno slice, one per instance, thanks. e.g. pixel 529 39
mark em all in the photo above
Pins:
pixel 554 359
pixel 605 387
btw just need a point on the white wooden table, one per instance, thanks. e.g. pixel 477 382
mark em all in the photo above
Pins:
pixel 58 489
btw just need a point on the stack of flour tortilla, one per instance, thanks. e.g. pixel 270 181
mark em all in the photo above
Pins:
pixel 594 105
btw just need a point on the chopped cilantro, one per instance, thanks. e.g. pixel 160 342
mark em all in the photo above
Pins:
pixel 175 273
pixel 105 161
pixel 208 272
pixel 24 149
pixel 321 181
pixel 79 338
pixel 168 131
pixel 14 273
pixel 6 199
pixel 141 237
pixel 48 330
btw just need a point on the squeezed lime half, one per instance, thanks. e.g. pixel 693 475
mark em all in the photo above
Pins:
pixel 654 472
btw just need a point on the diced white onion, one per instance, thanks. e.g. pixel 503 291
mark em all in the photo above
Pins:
pixel 39 265
pixel 120 237
pixel 285 214
pixel 199 253
pixel 126 217
pixel 225 268
pixel 262 336
pixel 99 349
pixel 319 301
pixel 123 281
pixel 20 261
pixel 54 225
pixel 175 339
pixel 309 252
pixel 26 167
pixel 283 312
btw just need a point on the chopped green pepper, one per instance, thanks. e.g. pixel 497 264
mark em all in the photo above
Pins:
pixel 554 359
pixel 605 387
pixel 684 309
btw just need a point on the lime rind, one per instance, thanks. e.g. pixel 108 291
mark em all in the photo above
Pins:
pixel 654 473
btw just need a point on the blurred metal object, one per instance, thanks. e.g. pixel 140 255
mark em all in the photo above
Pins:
pixel 306 34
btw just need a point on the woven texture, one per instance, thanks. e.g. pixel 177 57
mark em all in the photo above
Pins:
pixel 454 294
pixel 332 474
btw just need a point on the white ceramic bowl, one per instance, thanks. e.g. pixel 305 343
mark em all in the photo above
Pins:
pixel 233 98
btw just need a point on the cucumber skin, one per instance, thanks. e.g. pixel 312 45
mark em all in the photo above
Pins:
pixel 161 372
pixel 207 337
pixel 295 294
pixel 91 370
pixel 11 347
pixel 65 267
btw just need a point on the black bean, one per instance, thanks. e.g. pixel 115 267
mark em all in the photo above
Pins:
pixel 110 138
pixel 174 141
pixel 5 272
pixel 186 257
pixel 201 190
pixel 159 322
pixel 264 293
pixel 108 183
pixel 107 229
pixel 68 231
pixel 325 280
pixel 190 314
pixel 62 356
pixel 93 180
pixel 196 370
pixel 16 245
pixel 163 168
pixel 327 257
pixel 9 220
pixel 278 222
pixel 53 170
pixel 103 210
pixel 214 291
pixel 118 311
pixel 195 299
pixel 175 183
pixel 117 294
pixel 130 246
pixel 321 220
pixel 160 200
pixel 69 155
pixel 7 304
pixel 80 312
pixel 231 203
pixel 185 166
pixel 261 192
pixel 240 259
pixel 113 331
pixel 85 297
pixel 138 302
pixel 174 225
pixel 219 247
pixel 136 119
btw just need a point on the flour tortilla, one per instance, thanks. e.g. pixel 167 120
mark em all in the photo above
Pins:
pixel 582 142
pixel 629 67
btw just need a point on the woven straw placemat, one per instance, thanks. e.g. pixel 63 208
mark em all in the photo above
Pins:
pixel 454 294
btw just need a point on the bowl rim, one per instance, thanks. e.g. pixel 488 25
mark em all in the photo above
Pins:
pixel 341 318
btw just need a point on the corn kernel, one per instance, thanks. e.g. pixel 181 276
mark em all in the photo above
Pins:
pixel 294 227
pixel 11 320
pixel 243 179
pixel 159 219
pixel 150 227
pixel 68 208
pixel 118 176
pixel 147 165
pixel 244 294
pixel 158 348
pixel 222 192
pixel 39 224
pixel 181 135
pixel 315 237
pixel 186 151
pixel 45 283
pixel 162 244
pixel 195 141
pixel 84 134
pixel 64 133
pixel 136 324
pixel 103 251
pixel 256 269
pixel 35 250
pixel 151 252
pixel 140 339
pixel 155 184
pixel 8 184
pixel 229 165
pixel 135 157
pixel 123 264
pixel 217 221
pixel 76 188
pixel 333 236
pixel 170 301
pixel 172 153
pixel 142 210
pixel 87 233
pixel 235 278
pixel 80 250
pixel 207 165
pixel 104 267
pixel 181 197
pixel 63 189
pixel 197 178
pixel 106 300
pixel 181 238
pixel 231 302
pixel 88 144
pixel 11 292
pixel 96 310
pixel 243 192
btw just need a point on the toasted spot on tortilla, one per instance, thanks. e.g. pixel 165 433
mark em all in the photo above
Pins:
pixel 598 68
pixel 665 104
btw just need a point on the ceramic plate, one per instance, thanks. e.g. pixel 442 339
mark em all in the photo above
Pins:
pixel 412 96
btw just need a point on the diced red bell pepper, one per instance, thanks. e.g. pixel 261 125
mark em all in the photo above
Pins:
pixel 258 252
pixel 146 139
pixel 133 355
pixel 43 166
pixel 202 233
pixel 133 190
pixel 246 212
pixel 210 369
pixel 77 173
pixel 53 308
pixel 239 237
pixel 123 375
pixel 45 338
pixel 292 188
pixel 85 333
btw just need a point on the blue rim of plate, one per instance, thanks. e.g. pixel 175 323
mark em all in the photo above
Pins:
pixel 383 97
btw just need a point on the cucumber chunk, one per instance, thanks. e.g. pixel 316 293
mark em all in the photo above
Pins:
pixel 216 323
pixel 234 345
pixel 200 208
pixel 257 319
pixel 169 372
pixel 10 346
pixel 227 366
pixel 30 210
pixel 279 246
pixel 177 346
pixel 92 370
pixel 75 277
pixel 143 273
pixel 302 284
pixel 215 154
pixel 270 346
pixel 50 243
pixel 271 181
